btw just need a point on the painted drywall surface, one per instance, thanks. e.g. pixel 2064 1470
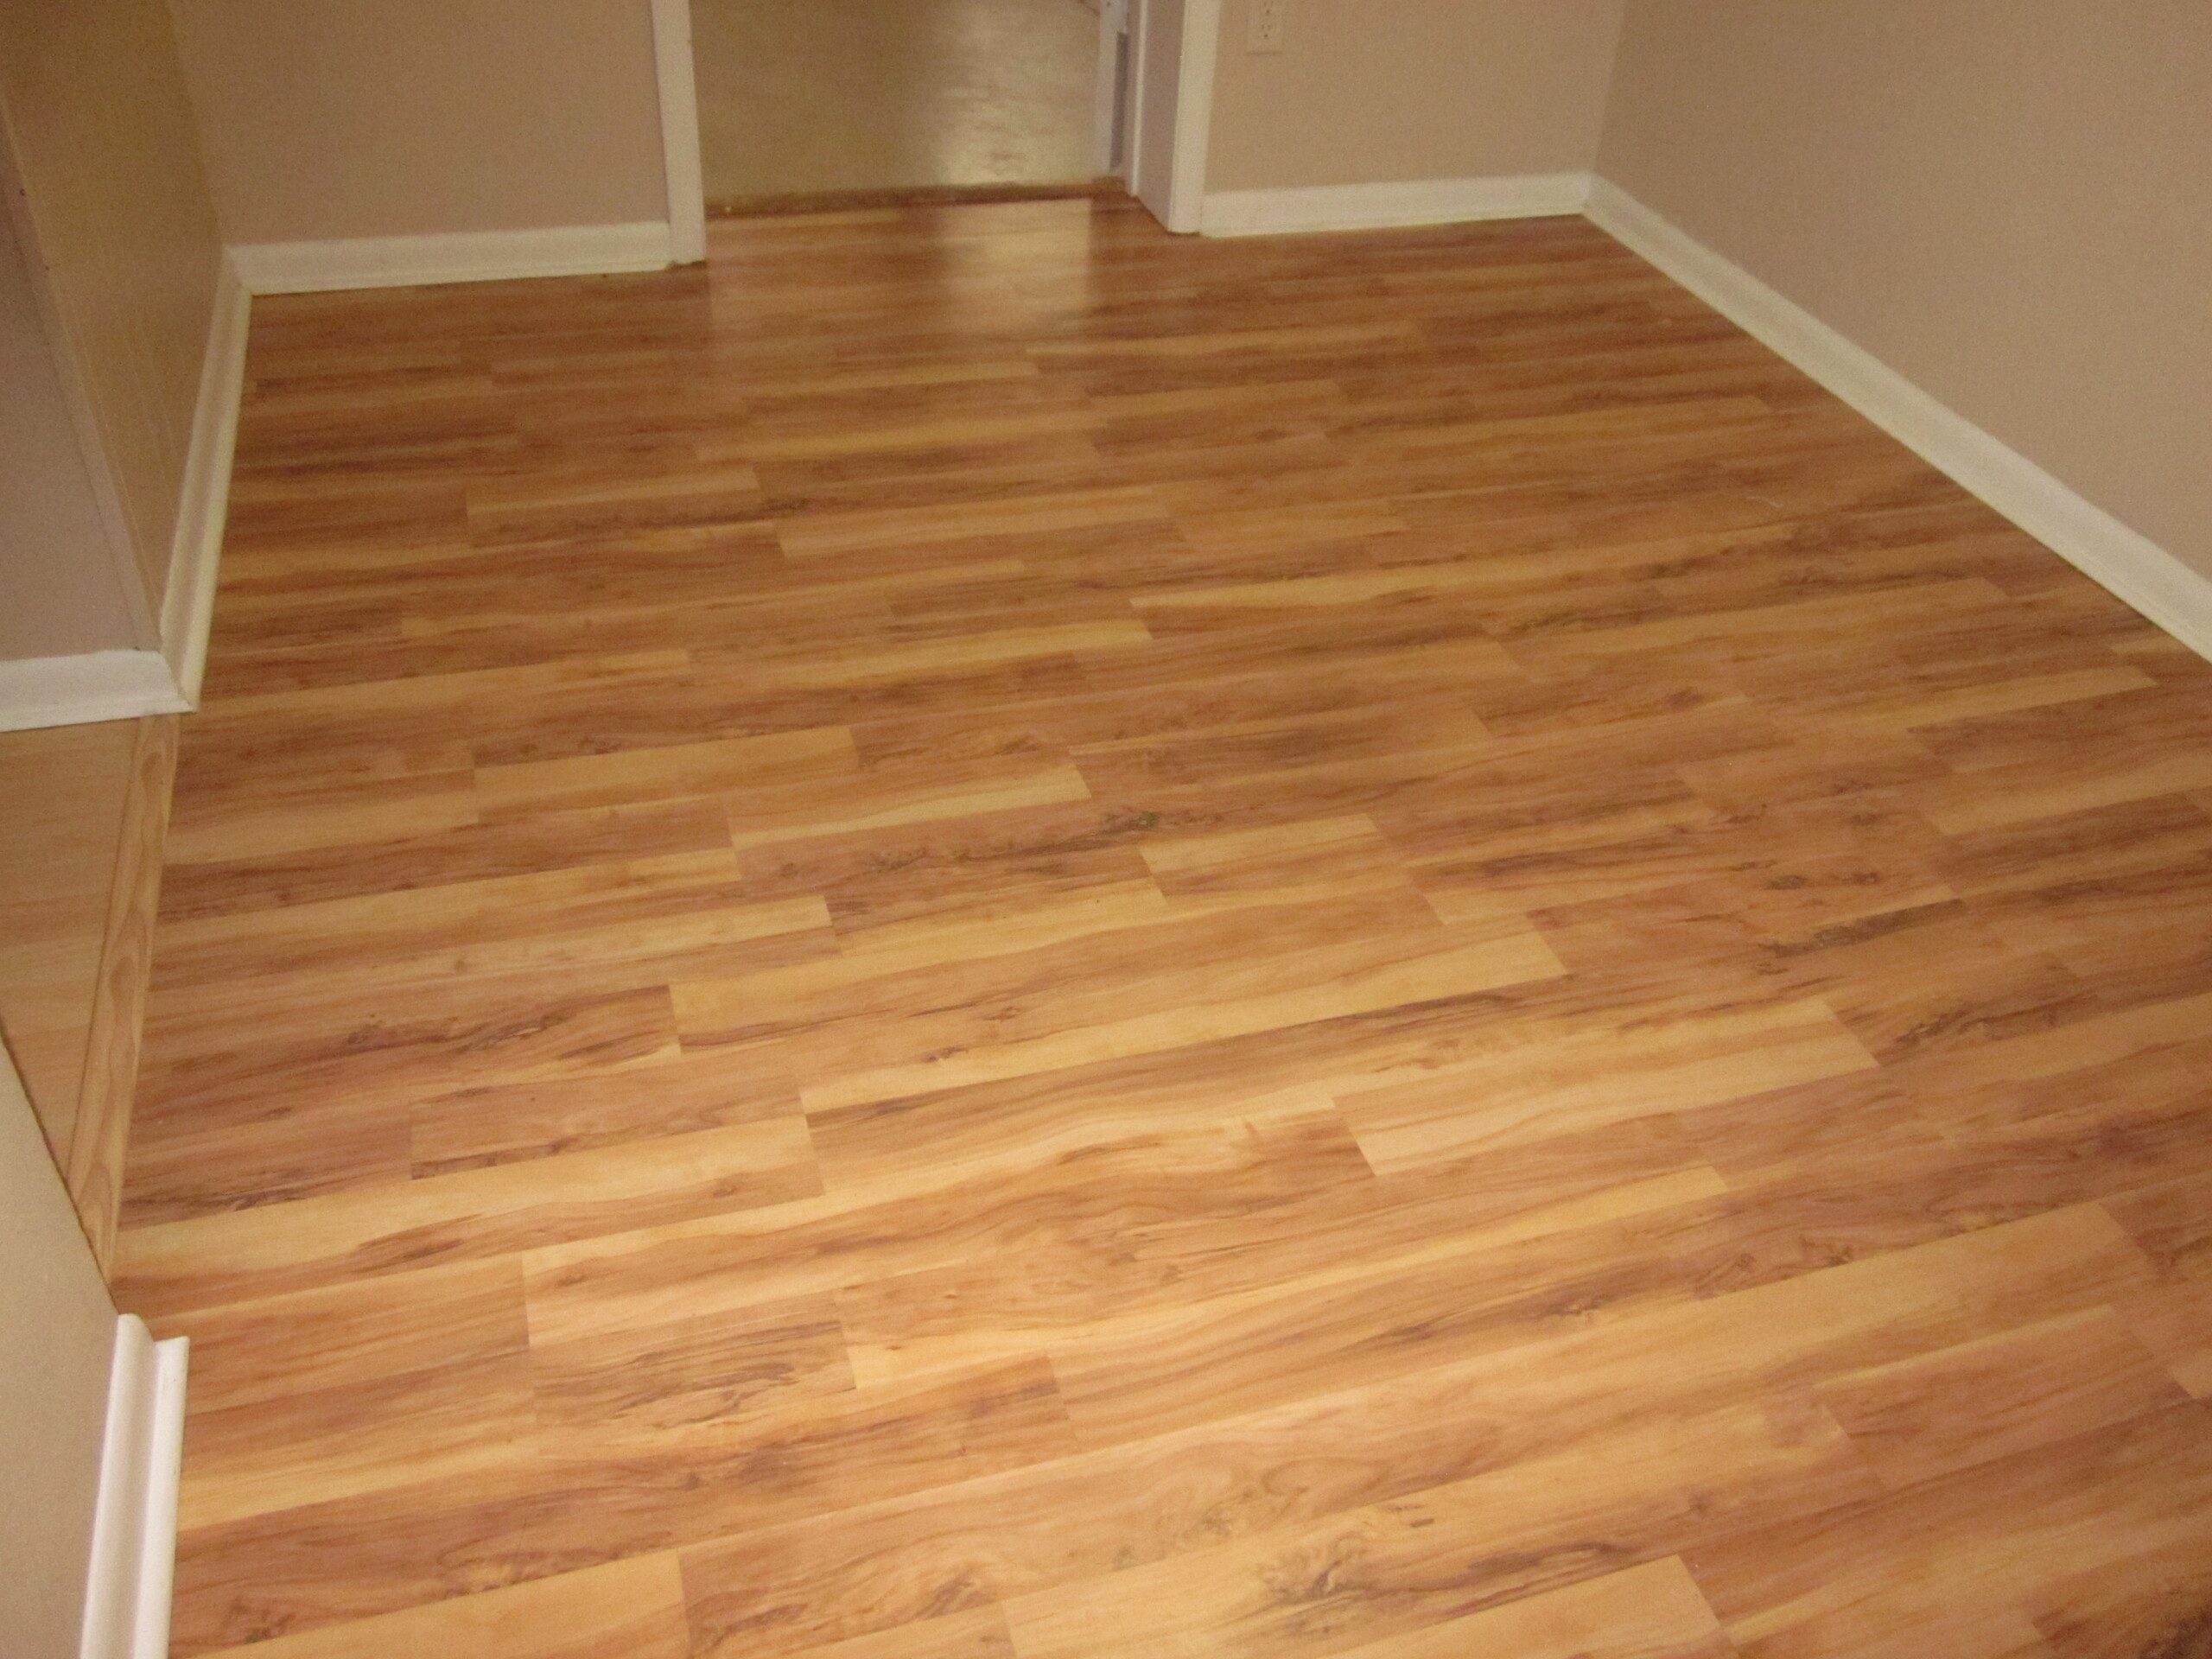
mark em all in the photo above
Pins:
pixel 103 139
pixel 347 119
pixel 1379 91
pixel 57 1334
pixel 2005 201
pixel 60 592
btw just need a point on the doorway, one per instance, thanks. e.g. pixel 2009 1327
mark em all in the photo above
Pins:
pixel 801 100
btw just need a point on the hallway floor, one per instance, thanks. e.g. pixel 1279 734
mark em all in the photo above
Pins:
pixel 982 934
pixel 802 98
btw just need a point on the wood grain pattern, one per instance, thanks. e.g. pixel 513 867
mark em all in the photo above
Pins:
pixel 83 821
pixel 112 1047
pixel 61 816
pixel 982 935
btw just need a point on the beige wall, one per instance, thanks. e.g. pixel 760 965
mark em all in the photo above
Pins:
pixel 330 118
pixel 2007 201
pixel 60 588
pixel 57 1334
pixel 1369 91
pixel 102 137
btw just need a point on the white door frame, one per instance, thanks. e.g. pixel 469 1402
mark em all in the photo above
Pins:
pixel 679 131
pixel 1108 105
pixel 1180 206
pixel 1192 97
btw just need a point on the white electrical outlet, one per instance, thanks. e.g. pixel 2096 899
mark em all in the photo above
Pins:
pixel 1263 25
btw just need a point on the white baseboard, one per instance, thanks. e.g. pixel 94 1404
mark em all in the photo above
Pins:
pixel 97 685
pixel 134 1523
pixel 1374 207
pixel 2133 569
pixel 188 603
pixel 459 256
pixel 39 691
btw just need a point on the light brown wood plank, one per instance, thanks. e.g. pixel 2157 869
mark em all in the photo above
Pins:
pixel 987 936
pixel 1950 1410
pixel 630 1609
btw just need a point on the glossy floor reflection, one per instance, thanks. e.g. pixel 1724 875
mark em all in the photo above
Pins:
pixel 812 97
pixel 985 934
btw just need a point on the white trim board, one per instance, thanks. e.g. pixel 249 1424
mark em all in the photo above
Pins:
pixel 1106 100
pixel 1175 193
pixel 2129 565
pixel 1193 115
pixel 188 602
pixel 676 78
pixel 134 1521
pixel 40 691
pixel 1375 207
pixel 96 686
pixel 457 257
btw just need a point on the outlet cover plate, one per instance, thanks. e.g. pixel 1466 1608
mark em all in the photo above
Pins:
pixel 1263 25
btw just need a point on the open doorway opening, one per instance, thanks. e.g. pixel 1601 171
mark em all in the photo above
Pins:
pixel 806 101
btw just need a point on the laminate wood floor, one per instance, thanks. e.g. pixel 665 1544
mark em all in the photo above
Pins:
pixel 985 935
pixel 803 97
